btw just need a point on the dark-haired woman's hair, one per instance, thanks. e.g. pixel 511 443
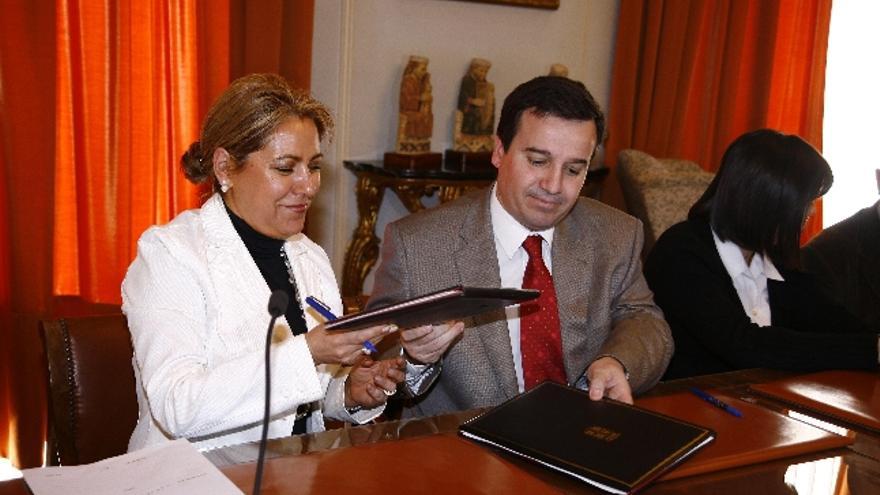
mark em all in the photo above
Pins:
pixel 243 118
pixel 762 193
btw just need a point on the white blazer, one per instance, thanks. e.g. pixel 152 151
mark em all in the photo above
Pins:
pixel 197 311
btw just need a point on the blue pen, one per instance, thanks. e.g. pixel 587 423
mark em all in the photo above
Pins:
pixel 322 308
pixel 711 399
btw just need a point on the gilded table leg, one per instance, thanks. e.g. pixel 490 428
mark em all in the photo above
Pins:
pixel 411 195
pixel 363 251
pixel 451 192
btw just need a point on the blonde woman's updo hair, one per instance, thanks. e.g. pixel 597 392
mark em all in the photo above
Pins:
pixel 244 116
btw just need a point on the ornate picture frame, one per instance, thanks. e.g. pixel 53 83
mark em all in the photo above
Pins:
pixel 535 4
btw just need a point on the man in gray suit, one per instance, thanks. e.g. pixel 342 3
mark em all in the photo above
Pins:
pixel 596 324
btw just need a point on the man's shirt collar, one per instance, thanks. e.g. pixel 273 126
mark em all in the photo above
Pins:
pixel 509 233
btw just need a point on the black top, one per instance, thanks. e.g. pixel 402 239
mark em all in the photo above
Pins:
pixel 266 253
pixel 846 258
pixel 712 332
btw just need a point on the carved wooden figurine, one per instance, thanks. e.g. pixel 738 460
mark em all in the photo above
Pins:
pixel 475 116
pixel 416 120
pixel 559 70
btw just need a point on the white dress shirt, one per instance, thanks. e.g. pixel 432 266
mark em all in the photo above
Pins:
pixel 509 236
pixel 750 281
pixel 512 260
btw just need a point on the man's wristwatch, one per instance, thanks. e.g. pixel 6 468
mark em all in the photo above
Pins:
pixel 411 360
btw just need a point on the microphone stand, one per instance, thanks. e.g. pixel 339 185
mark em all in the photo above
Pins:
pixel 277 306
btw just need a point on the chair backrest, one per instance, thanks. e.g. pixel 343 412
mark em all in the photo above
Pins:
pixel 92 399
pixel 659 192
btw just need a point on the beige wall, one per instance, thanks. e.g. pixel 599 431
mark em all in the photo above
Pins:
pixel 361 47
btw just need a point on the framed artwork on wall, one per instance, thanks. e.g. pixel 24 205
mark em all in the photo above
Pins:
pixel 537 4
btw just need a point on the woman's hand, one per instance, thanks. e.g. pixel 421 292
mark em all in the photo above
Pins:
pixel 370 382
pixel 342 347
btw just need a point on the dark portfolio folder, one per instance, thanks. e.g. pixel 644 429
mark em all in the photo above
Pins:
pixel 453 303
pixel 610 445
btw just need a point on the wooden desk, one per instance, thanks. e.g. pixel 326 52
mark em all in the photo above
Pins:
pixel 410 186
pixel 425 456
pixel 322 462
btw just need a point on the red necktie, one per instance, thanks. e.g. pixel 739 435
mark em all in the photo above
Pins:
pixel 539 335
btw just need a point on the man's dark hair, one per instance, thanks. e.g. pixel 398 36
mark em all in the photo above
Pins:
pixel 549 95
pixel 762 193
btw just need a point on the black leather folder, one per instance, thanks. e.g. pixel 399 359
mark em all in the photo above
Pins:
pixel 453 303
pixel 613 446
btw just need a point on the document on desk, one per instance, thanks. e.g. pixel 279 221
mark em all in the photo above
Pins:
pixel 760 435
pixel 170 468
pixel 847 395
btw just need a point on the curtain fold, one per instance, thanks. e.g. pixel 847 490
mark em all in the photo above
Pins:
pixel 690 76
pixel 273 36
pixel 98 101
pixel 27 66
pixel 5 289
pixel 126 108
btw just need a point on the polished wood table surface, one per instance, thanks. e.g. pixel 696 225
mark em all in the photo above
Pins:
pixel 851 470
pixel 426 455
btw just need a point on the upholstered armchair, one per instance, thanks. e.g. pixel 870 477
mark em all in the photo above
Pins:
pixel 659 191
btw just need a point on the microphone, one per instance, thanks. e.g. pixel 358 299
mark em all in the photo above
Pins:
pixel 277 306
pixel 278 303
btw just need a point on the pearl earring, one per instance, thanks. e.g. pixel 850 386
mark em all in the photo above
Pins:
pixel 225 186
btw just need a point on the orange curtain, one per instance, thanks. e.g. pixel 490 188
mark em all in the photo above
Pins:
pixel 141 66
pixel 27 55
pixel 273 36
pixel 5 286
pixel 690 76
pixel 126 108
pixel 98 100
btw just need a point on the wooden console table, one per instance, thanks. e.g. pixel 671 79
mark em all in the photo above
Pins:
pixel 410 186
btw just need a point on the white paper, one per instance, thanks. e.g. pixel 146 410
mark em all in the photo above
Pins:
pixel 169 468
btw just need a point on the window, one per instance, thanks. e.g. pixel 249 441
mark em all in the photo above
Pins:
pixel 852 108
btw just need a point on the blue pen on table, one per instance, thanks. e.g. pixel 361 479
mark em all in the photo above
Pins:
pixel 322 308
pixel 715 401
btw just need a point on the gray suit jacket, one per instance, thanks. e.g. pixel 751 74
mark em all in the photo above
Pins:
pixel 605 306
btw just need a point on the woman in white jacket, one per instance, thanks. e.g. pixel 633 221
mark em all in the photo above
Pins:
pixel 196 295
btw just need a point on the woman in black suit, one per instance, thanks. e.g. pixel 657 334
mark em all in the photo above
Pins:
pixel 728 277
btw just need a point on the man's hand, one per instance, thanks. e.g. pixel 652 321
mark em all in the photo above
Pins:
pixel 608 378
pixel 427 343
pixel 370 382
